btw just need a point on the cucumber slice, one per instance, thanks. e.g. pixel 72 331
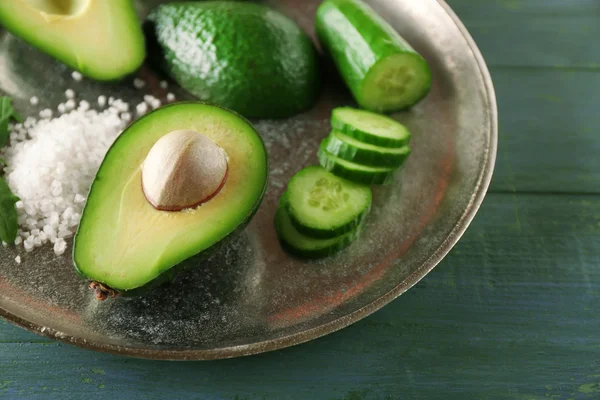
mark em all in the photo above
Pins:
pixel 369 127
pixel 383 72
pixel 305 246
pixel 350 149
pixel 358 173
pixel 322 205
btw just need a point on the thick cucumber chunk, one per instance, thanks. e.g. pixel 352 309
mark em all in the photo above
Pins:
pixel 306 246
pixel 381 69
pixel 322 205
pixel 350 149
pixel 358 173
pixel 369 127
pixel 395 83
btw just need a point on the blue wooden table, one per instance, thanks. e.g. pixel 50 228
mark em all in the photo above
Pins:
pixel 511 313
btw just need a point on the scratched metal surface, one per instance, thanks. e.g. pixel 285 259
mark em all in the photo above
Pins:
pixel 251 297
pixel 509 314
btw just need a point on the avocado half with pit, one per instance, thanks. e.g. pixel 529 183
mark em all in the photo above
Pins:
pixel 102 39
pixel 174 184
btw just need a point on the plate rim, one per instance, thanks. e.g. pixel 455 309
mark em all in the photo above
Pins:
pixel 483 183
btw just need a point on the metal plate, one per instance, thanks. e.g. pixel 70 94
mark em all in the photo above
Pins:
pixel 251 297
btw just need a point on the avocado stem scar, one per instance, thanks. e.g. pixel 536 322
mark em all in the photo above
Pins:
pixel 102 291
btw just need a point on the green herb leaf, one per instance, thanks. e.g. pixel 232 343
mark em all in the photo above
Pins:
pixel 9 225
pixel 7 112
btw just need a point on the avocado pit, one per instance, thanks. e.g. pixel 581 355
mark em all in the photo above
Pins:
pixel 59 7
pixel 183 169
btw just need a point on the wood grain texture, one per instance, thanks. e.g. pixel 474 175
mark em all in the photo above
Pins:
pixel 471 10
pixel 548 131
pixel 552 34
pixel 510 314
pixel 553 41
pixel 11 334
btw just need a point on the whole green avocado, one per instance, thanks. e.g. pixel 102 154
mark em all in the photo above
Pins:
pixel 242 56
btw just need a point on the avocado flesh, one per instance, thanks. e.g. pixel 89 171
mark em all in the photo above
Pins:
pixel 123 242
pixel 102 39
pixel 243 56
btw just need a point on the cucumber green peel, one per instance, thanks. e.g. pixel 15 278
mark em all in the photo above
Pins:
pixel 369 127
pixel 350 149
pixel 305 246
pixel 360 174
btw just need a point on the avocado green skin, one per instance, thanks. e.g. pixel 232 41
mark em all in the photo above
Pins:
pixel 357 39
pixel 175 270
pixel 170 274
pixel 243 56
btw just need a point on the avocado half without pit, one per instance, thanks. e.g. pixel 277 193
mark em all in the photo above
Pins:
pixel 102 39
pixel 175 183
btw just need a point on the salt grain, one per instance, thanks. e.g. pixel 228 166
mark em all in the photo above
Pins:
pixel 120 105
pixel 84 105
pixel 77 76
pixel 170 97
pixel 64 233
pixel 142 108
pixel 155 103
pixel 28 123
pixel 46 113
pixel 18 259
pixel 102 101
pixel 70 93
pixel 59 247
pixel 164 84
pixel 126 117
pixel 139 83
pixel 70 105
pixel 34 101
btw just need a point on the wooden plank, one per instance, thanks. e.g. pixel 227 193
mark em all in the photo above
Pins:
pixel 475 9
pixel 556 41
pixel 11 334
pixel 510 314
pixel 546 33
pixel 548 134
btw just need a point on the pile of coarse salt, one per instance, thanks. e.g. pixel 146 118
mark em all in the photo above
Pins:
pixel 51 164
